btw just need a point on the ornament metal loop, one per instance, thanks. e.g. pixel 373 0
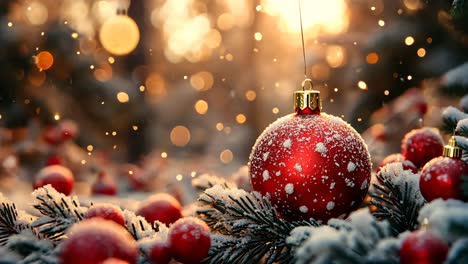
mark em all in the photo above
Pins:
pixel 307 81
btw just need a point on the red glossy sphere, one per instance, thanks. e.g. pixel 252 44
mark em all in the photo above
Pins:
pixel 189 240
pixel 397 157
pixel 93 241
pixel 58 176
pixel 104 185
pixel 312 165
pixel 106 211
pixel 159 253
pixel 423 247
pixel 162 207
pixel 442 178
pixel 421 145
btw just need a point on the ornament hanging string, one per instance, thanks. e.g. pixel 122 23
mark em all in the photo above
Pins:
pixel 307 80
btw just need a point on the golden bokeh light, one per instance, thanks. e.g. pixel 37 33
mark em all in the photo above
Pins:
pixel 219 126
pixel 372 58
pixel 202 81
pixel 258 36
pixel 123 97
pixel 201 106
pixel 413 4
pixel 241 118
pixel 250 95
pixel 335 56
pixel 409 41
pixel 381 23
pixel 155 86
pixel 44 60
pixel 119 35
pixel 180 136
pixel 330 16
pixel 226 156
pixel 421 52
pixel 225 21
pixel 320 71
pixel 37 13
pixel 362 85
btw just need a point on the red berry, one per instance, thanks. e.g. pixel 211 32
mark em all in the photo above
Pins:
pixel 159 252
pixel 93 241
pixel 442 178
pixel 423 247
pixel 189 240
pixel 106 211
pixel 58 176
pixel 162 207
pixel 104 185
pixel 421 145
pixel 54 160
pixel 397 157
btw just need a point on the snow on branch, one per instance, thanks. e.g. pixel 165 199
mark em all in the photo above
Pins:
pixel 12 220
pixel 247 227
pixel 462 127
pixel 450 118
pixel 397 197
pixel 58 212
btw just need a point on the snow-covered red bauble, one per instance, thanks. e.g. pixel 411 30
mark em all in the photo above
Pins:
pixel 159 252
pixel 310 164
pixel 442 177
pixel 421 145
pixel 162 207
pixel 104 185
pixel 106 211
pixel 58 176
pixel 189 240
pixel 92 241
pixel 422 246
pixel 397 157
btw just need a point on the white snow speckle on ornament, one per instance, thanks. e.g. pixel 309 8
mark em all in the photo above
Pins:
pixel 320 148
pixel 265 156
pixel 303 209
pixel 349 183
pixel 330 205
pixel 364 185
pixel 289 188
pixel 443 177
pixel 287 143
pixel 351 166
pixel 332 185
pixel 298 167
pixel 278 173
pixel 266 175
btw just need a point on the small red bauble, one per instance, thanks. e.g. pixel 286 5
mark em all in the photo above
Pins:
pixel 106 211
pixel 54 160
pixel 189 240
pixel 159 252
pixel 442 178
pixel 93 241
pixel 421 145
pixel 162 207
pixel 68 129
pixel 58 176
pixel 397 157
pixel 311 165
pixel 423 247
pixel 52 135
pixel 104 185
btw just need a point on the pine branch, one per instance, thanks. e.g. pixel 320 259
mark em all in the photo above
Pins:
pixel 138 227
pixel 450 118
pixel 9 224
pixel 206 181
pixel 462 128
pixel 397 197
pixel 247 226
pixel 58 212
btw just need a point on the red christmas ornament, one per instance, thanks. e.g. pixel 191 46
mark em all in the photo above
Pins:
pixel 54 160
pixel 189 240
pixel 159 252
pixel 58 176
pixel 162 207
pixel 68 130
pixel 104 185
pixel 106 211
pixel 52 135
pixel 421 145
pixel 423 247
pixel 310 164
pixel 92 241
pixel 397 157
pixel 442 177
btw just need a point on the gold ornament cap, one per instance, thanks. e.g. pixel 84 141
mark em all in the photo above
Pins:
pixel 452 150
pixel 307 101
